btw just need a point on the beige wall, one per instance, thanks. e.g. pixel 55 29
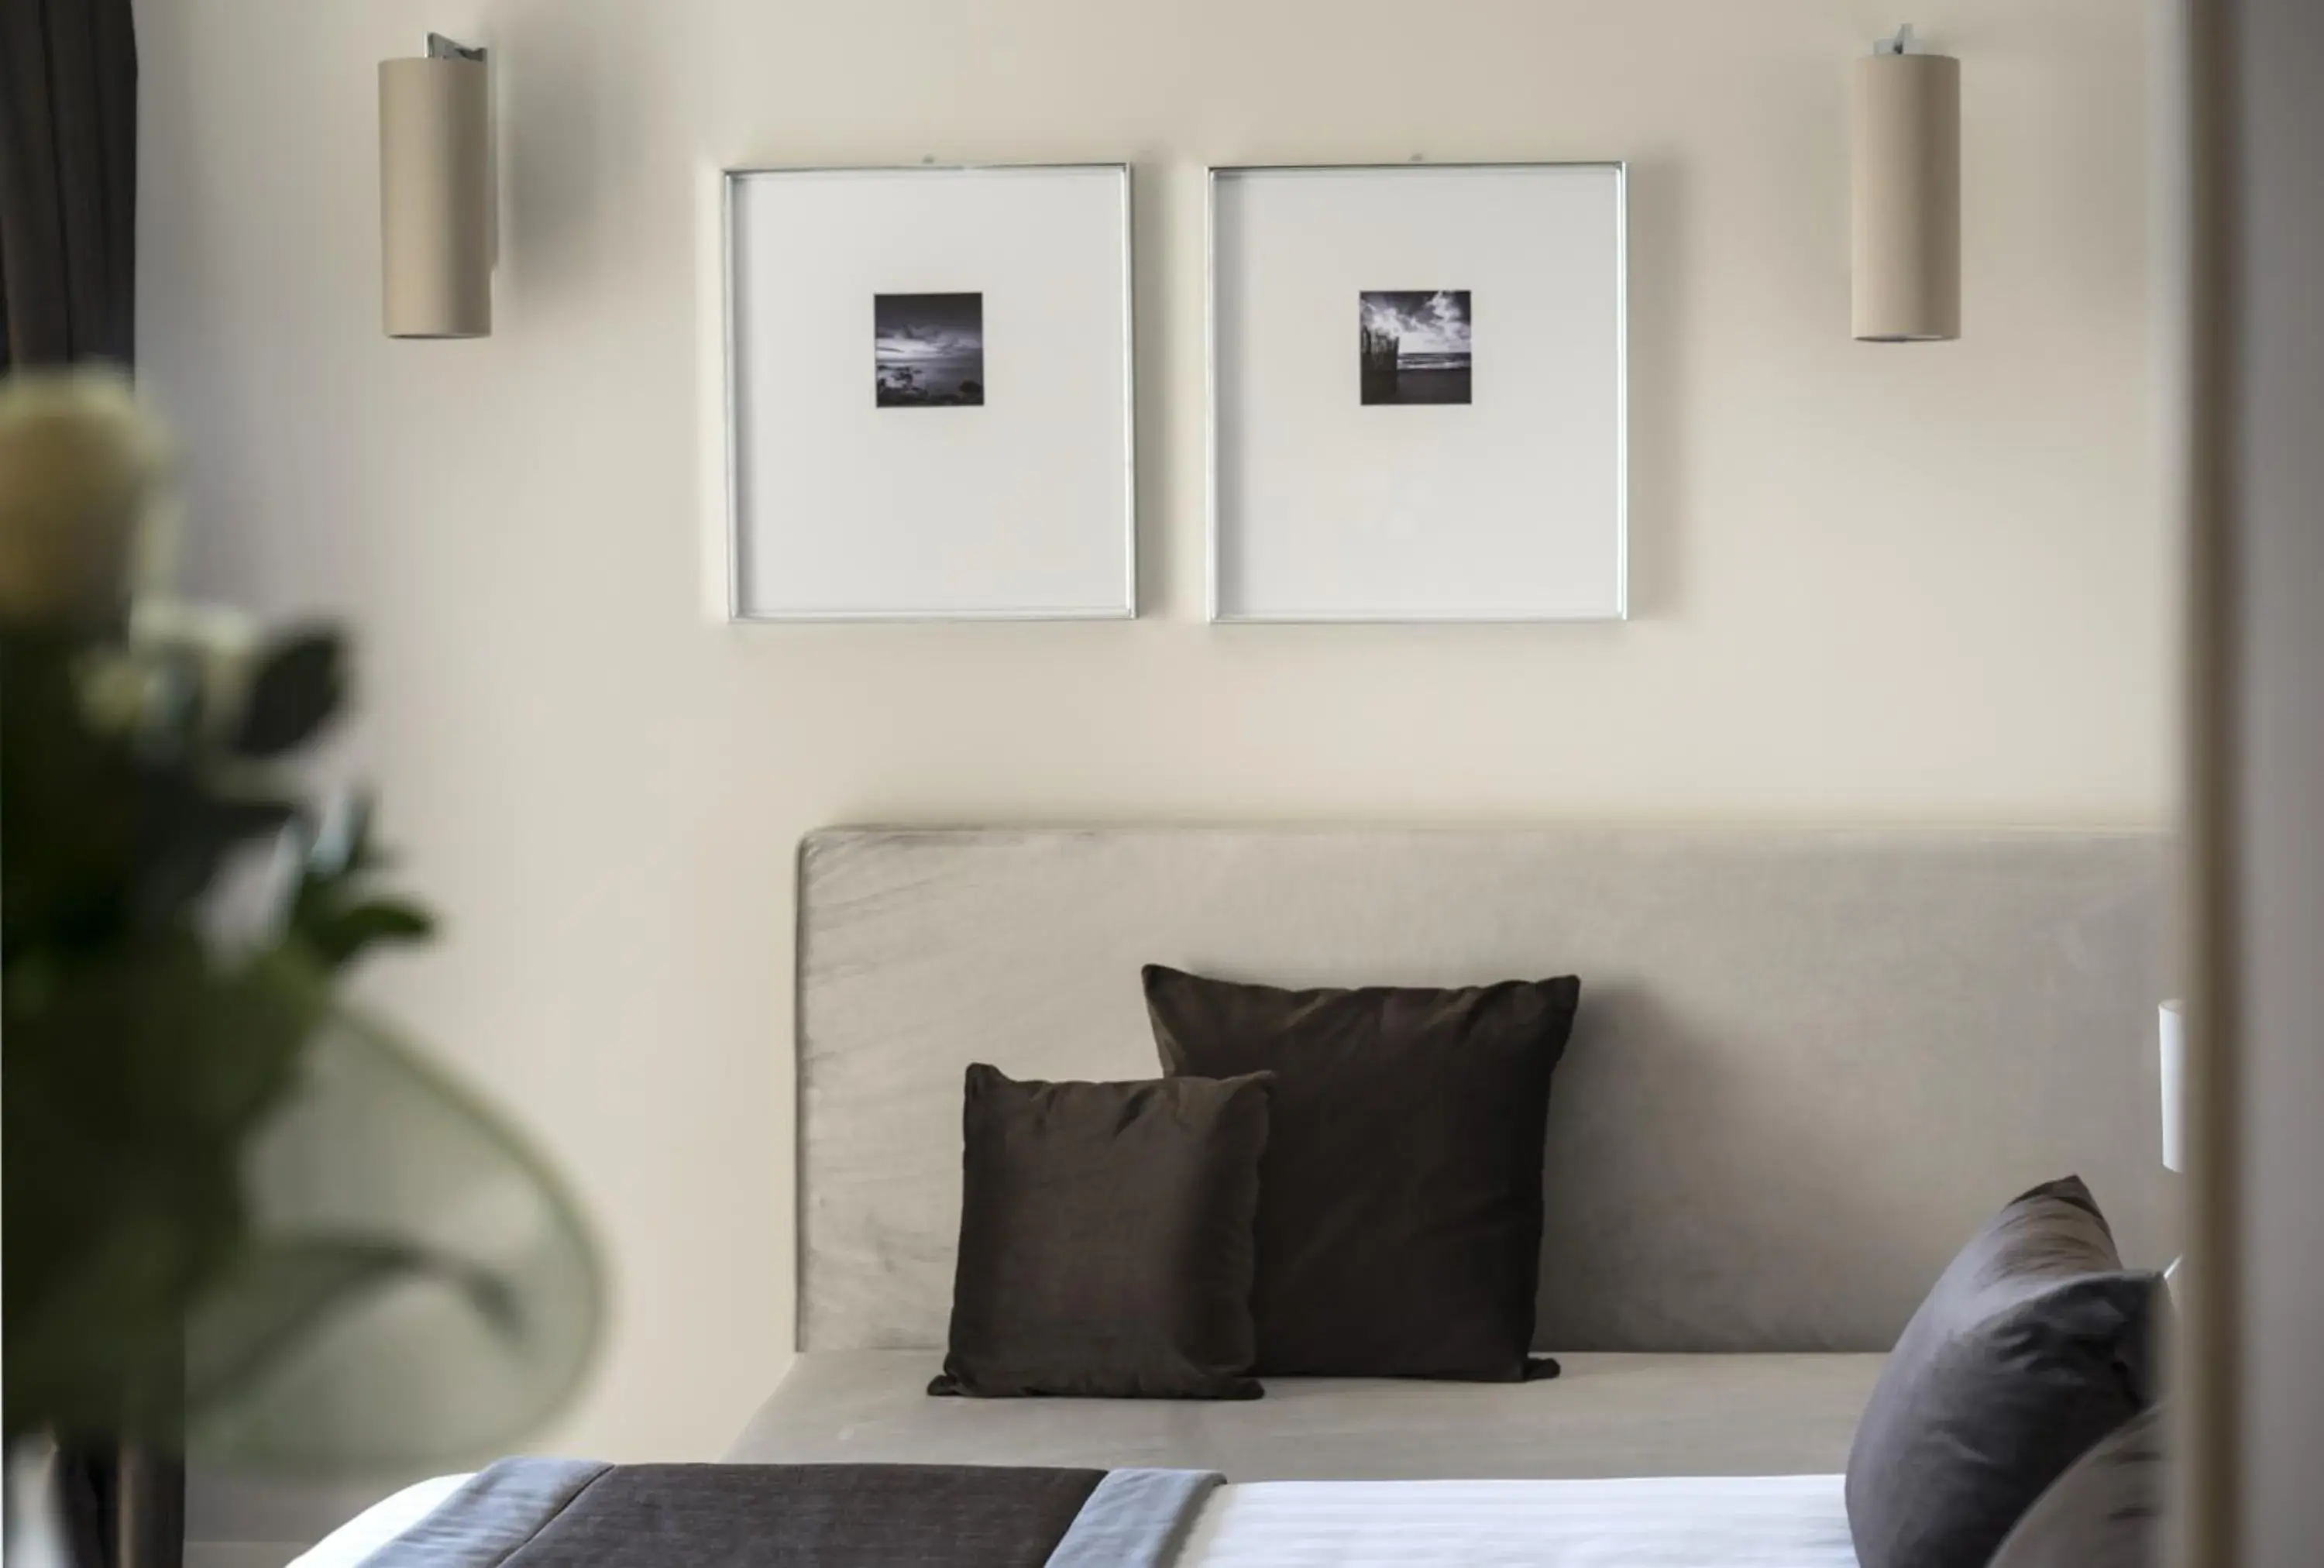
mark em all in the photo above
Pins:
pixel 1922 584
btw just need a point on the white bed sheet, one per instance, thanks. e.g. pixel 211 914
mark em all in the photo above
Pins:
pixel 1661 1521
pixel 379 1523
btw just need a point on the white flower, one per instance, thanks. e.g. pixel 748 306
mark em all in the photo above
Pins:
pixel 219 645
pixel 82 472
pixel 180 659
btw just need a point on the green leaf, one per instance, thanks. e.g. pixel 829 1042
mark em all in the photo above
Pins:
pixel 287 1289
pixel 186 831
pixel 301 683
pixel 340 935
pixel 331 912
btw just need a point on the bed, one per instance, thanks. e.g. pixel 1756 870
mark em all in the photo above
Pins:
pixel 1648 1522
pixel 1808 1064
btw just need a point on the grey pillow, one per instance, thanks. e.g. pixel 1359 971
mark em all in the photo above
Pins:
pixel 2106 1512
pixel 2035 1344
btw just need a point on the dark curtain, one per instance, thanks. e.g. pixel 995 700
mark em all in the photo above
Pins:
pixel 68 293
pixel 68 181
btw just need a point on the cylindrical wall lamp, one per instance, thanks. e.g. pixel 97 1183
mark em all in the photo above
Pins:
pixel 436 193
pixel 1905 106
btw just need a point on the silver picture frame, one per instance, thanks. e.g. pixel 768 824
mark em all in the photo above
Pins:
pixel 1218 611
pixel 740 610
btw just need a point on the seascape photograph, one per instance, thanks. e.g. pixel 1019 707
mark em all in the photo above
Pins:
pixel 1414 345
pixel 929 350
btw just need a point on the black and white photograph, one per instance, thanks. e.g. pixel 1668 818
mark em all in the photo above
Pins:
pixel 1415 345
pixel 929 350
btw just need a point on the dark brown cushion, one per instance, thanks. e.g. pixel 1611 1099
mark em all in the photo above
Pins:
pixel 774 1515
pixel 2035 1344
pixel 1105 1238
pixel 2105 1512
pixel 1399 1214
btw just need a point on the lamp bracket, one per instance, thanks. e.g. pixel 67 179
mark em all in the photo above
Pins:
pixel 442 48
pixel 1901 41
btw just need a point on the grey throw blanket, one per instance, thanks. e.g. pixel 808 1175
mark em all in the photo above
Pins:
pixel 550 1513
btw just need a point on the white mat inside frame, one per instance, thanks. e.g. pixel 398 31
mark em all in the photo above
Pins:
pixel 1419 392
pixel 930 394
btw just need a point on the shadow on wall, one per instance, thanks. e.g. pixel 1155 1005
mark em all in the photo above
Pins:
pixel 573 79
pixel 1659 264
pixel 1689 1265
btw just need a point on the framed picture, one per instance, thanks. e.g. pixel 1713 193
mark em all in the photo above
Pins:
pixel 930 394
pixel 1417 393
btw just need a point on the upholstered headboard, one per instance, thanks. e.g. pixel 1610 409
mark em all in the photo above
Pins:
pixel 1807 1065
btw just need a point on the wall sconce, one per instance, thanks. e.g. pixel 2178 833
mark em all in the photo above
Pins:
pixel 1906 111
pixel 436 193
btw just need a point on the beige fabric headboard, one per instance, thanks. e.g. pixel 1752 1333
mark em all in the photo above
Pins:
pixel 1807 1063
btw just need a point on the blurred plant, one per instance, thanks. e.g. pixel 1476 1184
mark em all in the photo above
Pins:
pixel 239 1214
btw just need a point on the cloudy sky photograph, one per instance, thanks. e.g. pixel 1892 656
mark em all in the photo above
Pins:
pixel 1414 345
pixel 1424 322
pixel 929 349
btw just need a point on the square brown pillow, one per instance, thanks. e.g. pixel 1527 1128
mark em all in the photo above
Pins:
pixel 1106 1238
pixel 1399 1214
